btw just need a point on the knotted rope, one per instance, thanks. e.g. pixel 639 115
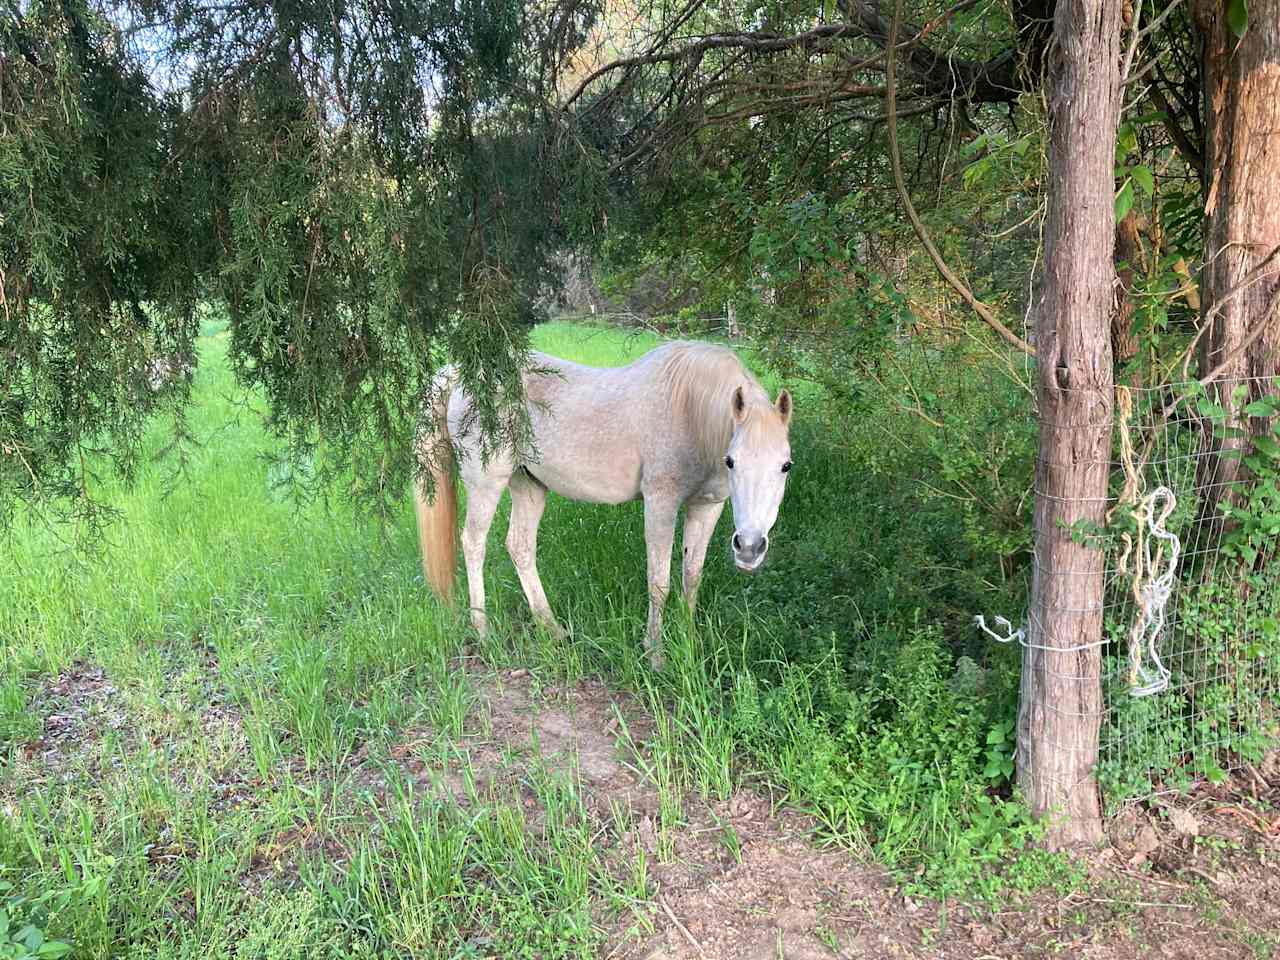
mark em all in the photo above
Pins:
pixel 1153 571
pixel 1010 634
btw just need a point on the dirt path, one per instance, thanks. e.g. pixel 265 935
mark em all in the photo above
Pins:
pixel 737 878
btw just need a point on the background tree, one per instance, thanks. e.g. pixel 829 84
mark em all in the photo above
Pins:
pixel 1239 340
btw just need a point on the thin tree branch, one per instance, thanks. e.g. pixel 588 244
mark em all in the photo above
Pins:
pixel 895 156
pixel 755 42
pixel 1264 323
pixel 996 80
pixel 1175 131
pixel 1135 33
pixel 1154 25
pixel 1258 271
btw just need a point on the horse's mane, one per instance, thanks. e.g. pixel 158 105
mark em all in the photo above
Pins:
pixel 700 378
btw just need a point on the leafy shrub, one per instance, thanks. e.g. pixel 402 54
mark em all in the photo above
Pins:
pixel 910 752
pixel 22 922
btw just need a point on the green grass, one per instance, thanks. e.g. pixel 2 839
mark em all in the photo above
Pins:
pixel 232 654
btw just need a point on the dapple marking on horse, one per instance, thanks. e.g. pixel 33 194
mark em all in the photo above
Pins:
pixel 684 425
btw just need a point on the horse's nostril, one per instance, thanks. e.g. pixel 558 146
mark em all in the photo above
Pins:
pixel 737 544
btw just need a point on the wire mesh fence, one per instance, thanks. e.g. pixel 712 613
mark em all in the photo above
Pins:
pixel 1187 536
pixel 1191 645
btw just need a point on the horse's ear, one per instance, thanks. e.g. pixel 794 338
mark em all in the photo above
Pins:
pixel 739 405
pixel 783 406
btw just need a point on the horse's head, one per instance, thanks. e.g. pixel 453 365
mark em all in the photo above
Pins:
pixel 758 460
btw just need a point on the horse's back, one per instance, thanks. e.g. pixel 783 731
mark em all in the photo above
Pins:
pixel 601 433
pixel 587 427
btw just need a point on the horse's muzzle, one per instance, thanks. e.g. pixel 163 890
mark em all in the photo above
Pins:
pixel 749 551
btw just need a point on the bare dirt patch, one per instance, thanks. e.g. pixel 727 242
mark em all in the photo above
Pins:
pixel 746 880
pixel 76 709
pixel 576 729
pixel 1203 886
pixel 787 899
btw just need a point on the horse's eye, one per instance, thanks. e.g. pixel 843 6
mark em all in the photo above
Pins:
pixel 786 467
pixel 728 462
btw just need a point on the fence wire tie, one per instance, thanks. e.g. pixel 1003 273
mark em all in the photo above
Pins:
pixel 1011 635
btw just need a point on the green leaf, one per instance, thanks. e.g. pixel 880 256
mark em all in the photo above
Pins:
pixel 976 171
pixel 976 145
pixel 1268 446
pixel 1126 141
pixel 1238 17
pixel 1143 177
pixel 54 949
pixel 31 935
pixel 1211 410
pixel 1124 199
pixel 1263 407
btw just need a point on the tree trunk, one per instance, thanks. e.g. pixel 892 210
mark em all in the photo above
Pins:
pixel 1061 697
pixel 1242 230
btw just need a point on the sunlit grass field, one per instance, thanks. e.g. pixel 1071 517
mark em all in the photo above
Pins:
pixel 189 719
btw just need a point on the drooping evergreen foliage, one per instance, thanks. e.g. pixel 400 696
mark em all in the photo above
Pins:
pixel 367 187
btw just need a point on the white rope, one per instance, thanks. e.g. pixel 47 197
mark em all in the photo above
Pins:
pixel 1020 635
pixel 1152 589
pixel 1011 635
pixel 1152 597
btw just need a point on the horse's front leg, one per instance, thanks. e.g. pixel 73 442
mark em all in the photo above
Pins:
pixel 659 532
pixel 699 523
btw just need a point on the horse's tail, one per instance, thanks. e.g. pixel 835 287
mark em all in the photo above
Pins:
pixel 438 513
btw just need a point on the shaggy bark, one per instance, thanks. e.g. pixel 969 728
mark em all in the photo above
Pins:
pixel 1242 231
pixel 1061 697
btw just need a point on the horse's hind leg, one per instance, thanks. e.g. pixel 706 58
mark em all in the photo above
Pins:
pixel 484 490
pixel 528 500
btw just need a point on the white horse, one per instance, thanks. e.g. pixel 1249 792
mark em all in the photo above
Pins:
pixel 686 424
